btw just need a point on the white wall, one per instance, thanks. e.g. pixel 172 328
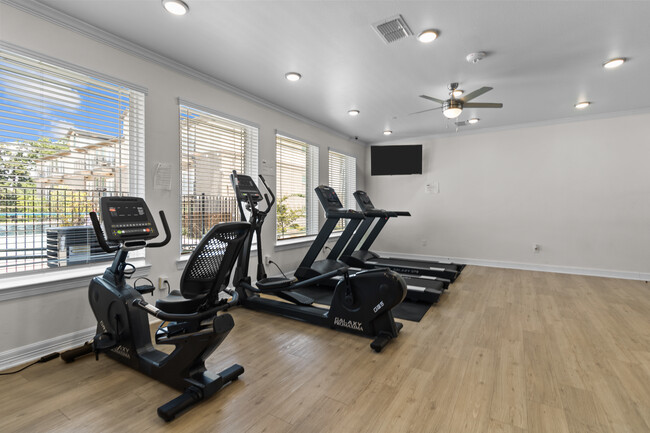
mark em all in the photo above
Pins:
pixel 581 190
pixel 32 319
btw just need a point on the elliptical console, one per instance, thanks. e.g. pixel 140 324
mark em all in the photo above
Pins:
pixel 194 326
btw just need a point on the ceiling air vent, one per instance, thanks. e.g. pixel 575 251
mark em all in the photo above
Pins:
pixel 392 29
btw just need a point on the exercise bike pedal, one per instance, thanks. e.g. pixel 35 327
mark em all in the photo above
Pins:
pixel 145 289
pixel 103 342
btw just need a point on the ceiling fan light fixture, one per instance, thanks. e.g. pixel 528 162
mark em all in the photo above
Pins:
pixel 388 132
pixel 614 63
pixel 473 120
pixel 427 36
pixel 292 76
pixel 582 105
pixel 457 93
pixel 452 108
pixel 354 113
pixel 176 7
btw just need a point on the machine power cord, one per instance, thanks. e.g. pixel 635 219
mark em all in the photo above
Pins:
pixel 45 358
pixel 276 265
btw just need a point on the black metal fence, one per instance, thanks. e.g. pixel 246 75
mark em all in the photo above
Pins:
pixel 26 216
pixel 200 213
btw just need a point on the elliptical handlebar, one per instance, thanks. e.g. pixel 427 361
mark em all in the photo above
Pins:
pixel 272 202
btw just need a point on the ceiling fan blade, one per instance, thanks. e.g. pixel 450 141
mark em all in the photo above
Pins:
pixel 475 94
pixel 424 111
pixel 483 105
pixel 439 101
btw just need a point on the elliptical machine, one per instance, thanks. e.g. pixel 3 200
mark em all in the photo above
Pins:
pixel 194 326
pixel 362 303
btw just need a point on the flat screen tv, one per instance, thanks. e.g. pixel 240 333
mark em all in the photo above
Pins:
pixel 392 160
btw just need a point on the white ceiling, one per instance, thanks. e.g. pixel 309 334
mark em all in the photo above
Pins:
pixel 544 56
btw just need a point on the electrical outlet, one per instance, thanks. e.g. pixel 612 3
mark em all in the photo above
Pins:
pixel 267 260
pixel 163 283
pixel 536 248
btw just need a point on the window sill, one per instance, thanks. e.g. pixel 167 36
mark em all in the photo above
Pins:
pixel 23 286
pixel 287 244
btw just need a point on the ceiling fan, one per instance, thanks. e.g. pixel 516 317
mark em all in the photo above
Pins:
pixel 453 106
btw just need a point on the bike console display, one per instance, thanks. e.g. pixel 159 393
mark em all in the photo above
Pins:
pixel 127 218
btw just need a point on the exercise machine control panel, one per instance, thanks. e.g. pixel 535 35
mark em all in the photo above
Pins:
pixel 247 190
pixel 332 204
pixel 363 200
pixel 127 218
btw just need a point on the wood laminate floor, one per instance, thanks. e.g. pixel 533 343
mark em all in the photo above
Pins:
pixel 503 351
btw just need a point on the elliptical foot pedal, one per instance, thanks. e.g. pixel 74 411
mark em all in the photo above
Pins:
pixel 296 298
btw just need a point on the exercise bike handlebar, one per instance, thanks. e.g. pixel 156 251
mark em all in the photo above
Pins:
pixel 101 239
pixel 99 233
pixel 168 234
pixel 174 317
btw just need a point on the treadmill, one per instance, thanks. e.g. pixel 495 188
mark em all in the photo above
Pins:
pixel 418 289
pixel 365 258
pixel 334 212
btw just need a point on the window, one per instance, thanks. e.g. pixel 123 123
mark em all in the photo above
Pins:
pixel 343 178
pixel 212 146
pixel 297 177
pixel 67 137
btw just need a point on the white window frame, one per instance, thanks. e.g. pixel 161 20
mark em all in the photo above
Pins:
pixel 311 182
pixel 200 144
pixel 70 106
pixel 343 180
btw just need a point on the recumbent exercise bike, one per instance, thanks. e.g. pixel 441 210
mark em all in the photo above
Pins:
pixel 193 324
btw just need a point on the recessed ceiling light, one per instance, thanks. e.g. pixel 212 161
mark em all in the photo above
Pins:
pixel 614 63
pixel 354 112
pixel 473 120
pixel 428 36
pixel 292 76
pixel 583 104
pixel 388 132
pixel 176 7
pixel 457 93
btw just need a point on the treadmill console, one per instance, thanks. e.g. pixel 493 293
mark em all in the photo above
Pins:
pixel 247 189
pixel 127 218
pixel 328 198
pixel 363 200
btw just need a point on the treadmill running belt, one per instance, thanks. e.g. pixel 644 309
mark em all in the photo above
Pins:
pixel 407 310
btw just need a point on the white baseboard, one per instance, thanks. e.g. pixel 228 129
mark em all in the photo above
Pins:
pixel 608 273
pixel 34 351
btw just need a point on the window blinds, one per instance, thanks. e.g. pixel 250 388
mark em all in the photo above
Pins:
pixel 343 178
pixel 66 138
pixel 297 177
pixel 212 146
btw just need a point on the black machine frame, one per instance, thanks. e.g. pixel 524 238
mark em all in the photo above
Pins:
pixel 361 303
pixel 196 322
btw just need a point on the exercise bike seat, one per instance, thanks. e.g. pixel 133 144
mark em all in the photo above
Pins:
pixel 176 303
pixel 272 284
